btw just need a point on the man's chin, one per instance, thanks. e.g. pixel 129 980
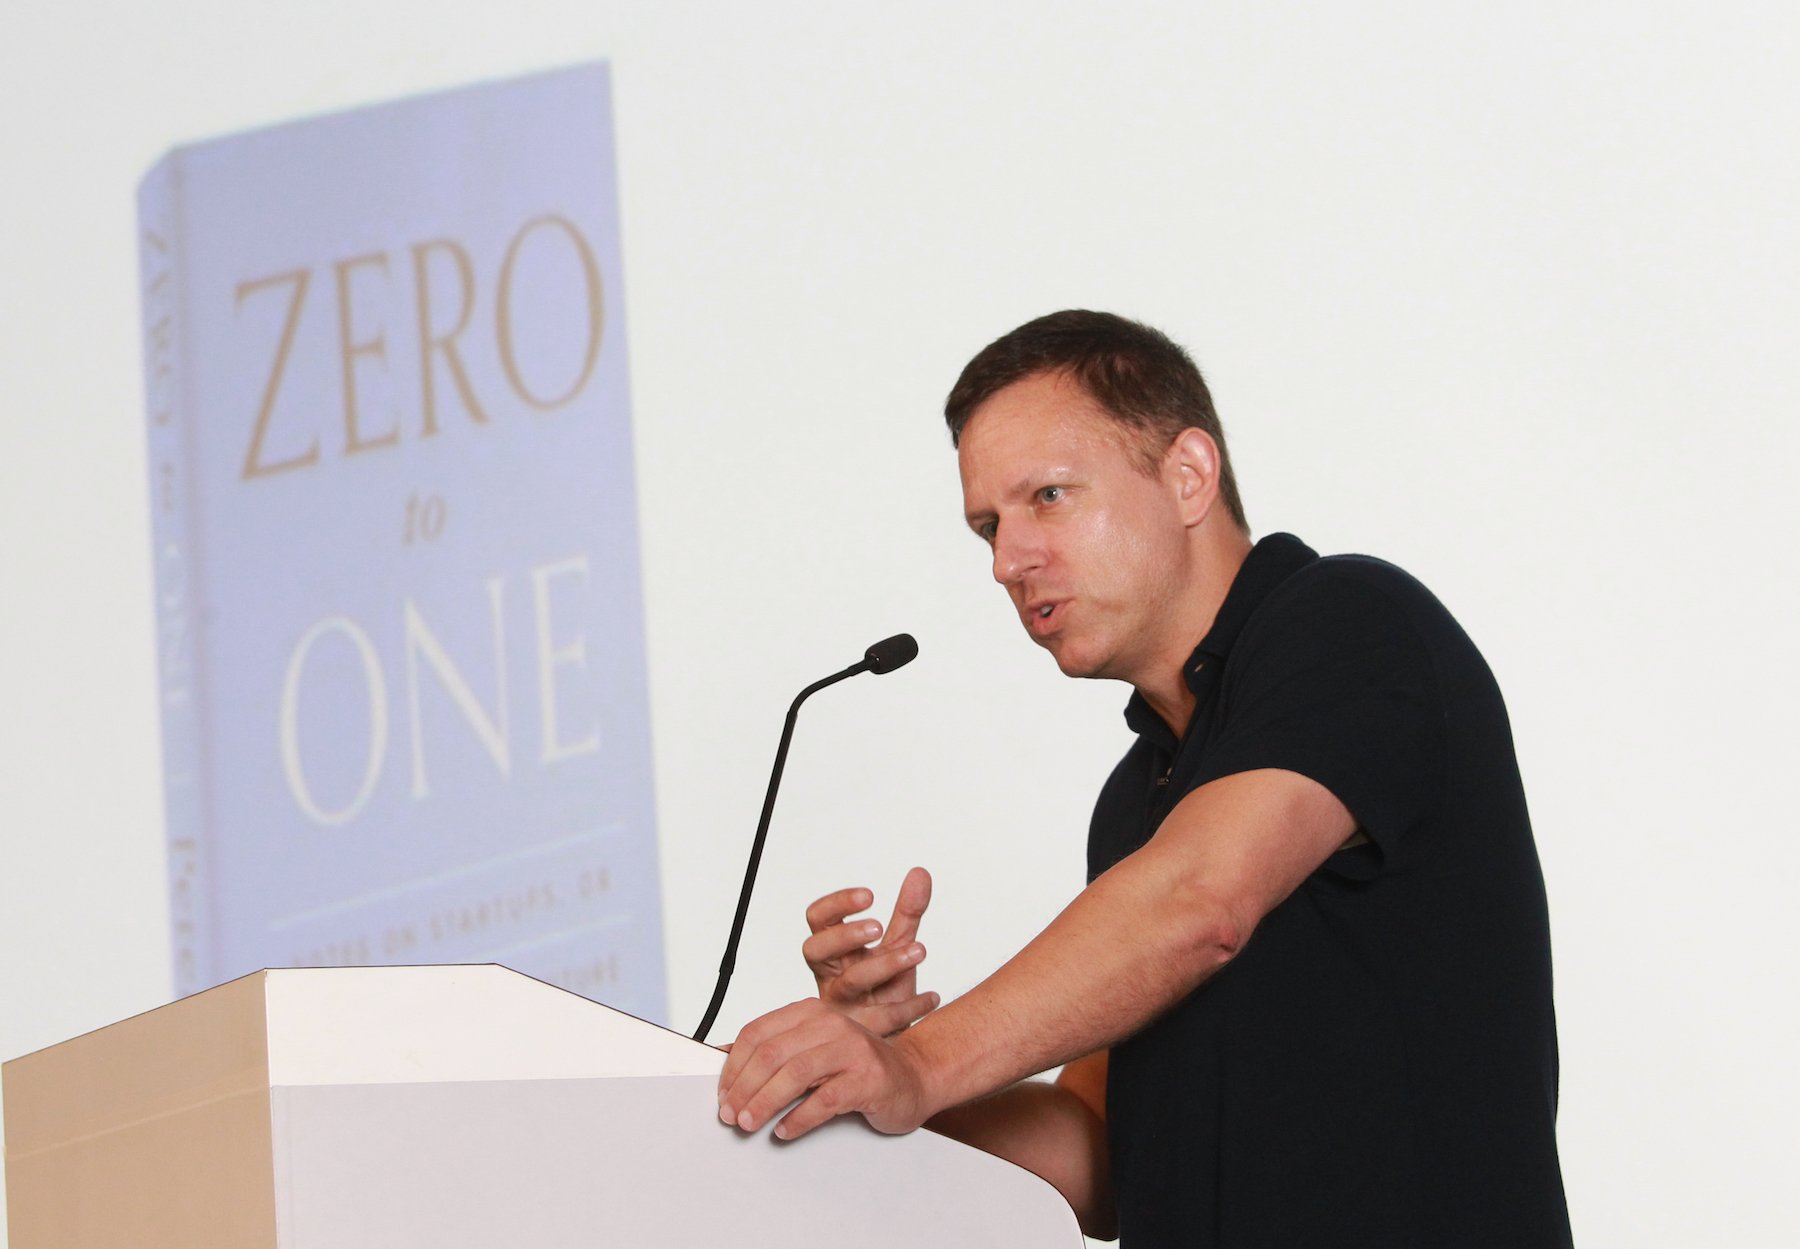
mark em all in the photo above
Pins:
pixel 1073 661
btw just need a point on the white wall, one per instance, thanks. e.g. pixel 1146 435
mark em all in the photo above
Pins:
pixel 1503 293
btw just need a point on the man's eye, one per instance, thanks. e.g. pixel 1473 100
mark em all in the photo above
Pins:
pixel 1050 494
pixel 987 531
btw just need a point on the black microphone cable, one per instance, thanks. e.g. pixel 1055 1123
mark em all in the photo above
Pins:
pixel 883 657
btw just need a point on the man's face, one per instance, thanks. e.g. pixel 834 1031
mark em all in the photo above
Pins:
pixel 1090 549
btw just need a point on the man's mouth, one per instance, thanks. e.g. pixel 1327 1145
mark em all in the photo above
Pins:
pixel 1043 618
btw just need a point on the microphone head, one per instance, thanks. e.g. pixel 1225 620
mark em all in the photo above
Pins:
pixel 891 653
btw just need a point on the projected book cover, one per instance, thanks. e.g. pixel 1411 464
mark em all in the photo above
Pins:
pixel 395 539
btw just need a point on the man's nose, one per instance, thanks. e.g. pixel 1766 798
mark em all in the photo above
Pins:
pixel 1018 549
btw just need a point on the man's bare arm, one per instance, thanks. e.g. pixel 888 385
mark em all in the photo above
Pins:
pixel 1134 943
pixel 1141 937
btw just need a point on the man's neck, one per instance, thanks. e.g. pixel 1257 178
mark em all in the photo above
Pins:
pixel 1217 559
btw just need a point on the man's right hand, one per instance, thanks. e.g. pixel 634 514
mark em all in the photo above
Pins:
pixel 875 984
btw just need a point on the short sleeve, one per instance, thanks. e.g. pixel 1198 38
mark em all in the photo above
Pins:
pixel 1332 678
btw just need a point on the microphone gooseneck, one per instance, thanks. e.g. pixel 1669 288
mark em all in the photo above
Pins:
pixel 883 657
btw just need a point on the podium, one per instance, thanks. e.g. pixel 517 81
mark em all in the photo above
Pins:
pixel 453 1107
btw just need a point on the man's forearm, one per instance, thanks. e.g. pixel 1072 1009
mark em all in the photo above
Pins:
pixel 1137 940
pixel 1130 945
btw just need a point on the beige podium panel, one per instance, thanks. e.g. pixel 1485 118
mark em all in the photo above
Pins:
pixel 452 1107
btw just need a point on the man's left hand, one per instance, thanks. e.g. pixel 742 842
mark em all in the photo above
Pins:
pixel 812 1045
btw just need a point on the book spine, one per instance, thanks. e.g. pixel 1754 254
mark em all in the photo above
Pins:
pixel 174 560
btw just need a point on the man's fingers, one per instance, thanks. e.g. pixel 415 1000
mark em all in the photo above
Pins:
pixel 833 907
pixel 837 940
pixel 909 906
pixel 768 1044
pixel 888 1017
pixel 824 1103
pixel 876 969
pixel 813 1062
pixel 758 1030
pixel 786 1063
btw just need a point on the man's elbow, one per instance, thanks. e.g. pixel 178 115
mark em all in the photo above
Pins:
pixel 1210 932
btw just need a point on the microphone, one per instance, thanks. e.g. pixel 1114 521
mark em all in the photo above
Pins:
pixel 883 657
pixel 891 653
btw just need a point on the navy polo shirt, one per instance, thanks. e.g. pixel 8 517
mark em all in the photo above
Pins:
pixel 1377 1067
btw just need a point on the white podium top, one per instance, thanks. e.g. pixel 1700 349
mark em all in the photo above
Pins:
pixel 406 1025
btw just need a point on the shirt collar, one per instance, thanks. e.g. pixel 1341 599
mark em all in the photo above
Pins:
pixel 1271 561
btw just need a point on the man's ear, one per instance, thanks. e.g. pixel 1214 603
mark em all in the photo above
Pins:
pixel 1192 462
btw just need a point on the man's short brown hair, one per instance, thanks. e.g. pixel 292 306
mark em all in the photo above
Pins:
pixel 1139 377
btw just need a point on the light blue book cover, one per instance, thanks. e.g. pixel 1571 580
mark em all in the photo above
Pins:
pixel 404 705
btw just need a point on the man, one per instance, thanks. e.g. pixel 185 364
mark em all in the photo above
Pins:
pixel 1311 967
